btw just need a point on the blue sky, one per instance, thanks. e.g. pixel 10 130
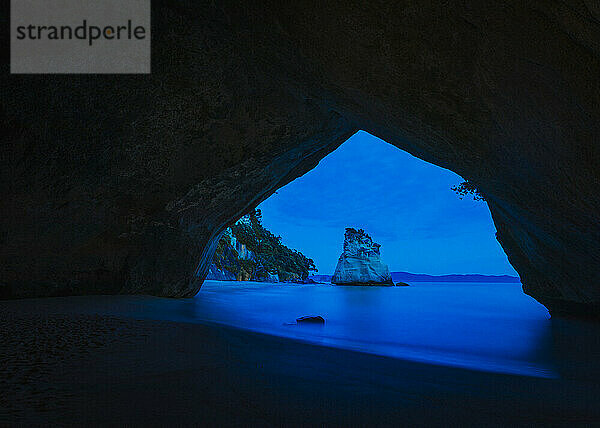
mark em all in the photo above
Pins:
pixel 404 203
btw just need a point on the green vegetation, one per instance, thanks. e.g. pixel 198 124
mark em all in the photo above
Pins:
pixel 467 188
pixel 227 258
pixel 270 256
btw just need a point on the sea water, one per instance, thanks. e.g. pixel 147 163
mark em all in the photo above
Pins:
pixel 481 326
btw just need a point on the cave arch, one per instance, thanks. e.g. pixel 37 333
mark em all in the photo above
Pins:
pixel 404 203
pixel 121 184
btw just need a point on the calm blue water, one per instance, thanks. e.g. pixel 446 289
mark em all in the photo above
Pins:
pixel 491 327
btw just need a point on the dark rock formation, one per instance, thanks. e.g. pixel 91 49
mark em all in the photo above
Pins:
pixel 122 184
pixel 360 262
pixel 217 274
pixel 311 320
pixel 402 284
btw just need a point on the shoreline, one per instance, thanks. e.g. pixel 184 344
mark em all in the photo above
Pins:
pixel 72 364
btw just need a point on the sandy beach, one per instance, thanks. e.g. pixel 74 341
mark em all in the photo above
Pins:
pixel 68 361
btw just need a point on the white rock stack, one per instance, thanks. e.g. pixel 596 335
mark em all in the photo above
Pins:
pixel 360 262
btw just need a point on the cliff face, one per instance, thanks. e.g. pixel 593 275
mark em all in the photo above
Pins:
pixel 360 262
pixel 122 184
pixel 269 261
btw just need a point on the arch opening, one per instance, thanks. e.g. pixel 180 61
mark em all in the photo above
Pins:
pixel 407 203
pixel 441 246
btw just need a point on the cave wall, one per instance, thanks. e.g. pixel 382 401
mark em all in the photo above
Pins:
pixel 122 184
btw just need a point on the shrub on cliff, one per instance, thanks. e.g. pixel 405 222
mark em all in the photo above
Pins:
pixel 270 254
pixel 467 188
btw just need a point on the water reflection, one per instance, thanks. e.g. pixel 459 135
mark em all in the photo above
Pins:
pixel 492 327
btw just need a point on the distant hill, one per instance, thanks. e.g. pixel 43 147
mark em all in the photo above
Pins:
pixel 421 277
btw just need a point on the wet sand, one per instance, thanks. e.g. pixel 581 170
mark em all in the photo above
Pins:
pixel 68 361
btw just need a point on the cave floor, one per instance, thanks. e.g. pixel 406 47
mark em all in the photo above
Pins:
pixel 67 364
